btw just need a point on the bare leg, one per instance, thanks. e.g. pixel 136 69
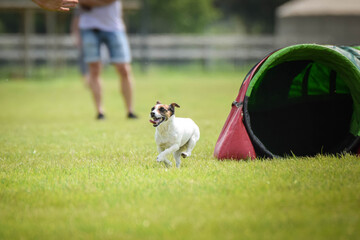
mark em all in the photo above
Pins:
pixel 124 71
pixel 95 85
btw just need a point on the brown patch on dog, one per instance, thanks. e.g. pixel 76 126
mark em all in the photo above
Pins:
pixel 165 110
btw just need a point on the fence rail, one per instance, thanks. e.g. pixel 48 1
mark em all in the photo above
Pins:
pixel 152 48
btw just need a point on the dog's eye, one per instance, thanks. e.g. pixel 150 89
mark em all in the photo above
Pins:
pixel 162 109
pixel 152 109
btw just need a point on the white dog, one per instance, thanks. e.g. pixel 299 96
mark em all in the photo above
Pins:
pixel 173 135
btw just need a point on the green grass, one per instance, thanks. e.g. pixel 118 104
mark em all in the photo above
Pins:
pixel 64 175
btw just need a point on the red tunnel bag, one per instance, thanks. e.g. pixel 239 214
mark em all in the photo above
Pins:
pixel 234 141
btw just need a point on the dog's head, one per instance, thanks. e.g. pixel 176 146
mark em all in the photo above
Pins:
pixel 162 112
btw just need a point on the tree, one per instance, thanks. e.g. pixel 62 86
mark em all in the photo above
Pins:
pixel 176 16
pixel 258 15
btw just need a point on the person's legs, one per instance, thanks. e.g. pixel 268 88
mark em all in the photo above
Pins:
pixel 96 86
pixel 119 50
pixel 124 71
pixel 91 48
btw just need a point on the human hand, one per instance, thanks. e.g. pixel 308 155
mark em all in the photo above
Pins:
pixel 56 5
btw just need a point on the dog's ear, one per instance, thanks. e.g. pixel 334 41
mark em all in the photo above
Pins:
pixel 175 105
pixel 172 107
pixel 158 102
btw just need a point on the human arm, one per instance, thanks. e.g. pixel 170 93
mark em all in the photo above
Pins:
pixel 56 5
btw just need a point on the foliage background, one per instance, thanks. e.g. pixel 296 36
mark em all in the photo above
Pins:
pixel 176 16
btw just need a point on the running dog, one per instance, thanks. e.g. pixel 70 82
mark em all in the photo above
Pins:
pixel 173 135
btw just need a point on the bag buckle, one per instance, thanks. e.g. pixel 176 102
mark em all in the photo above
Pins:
pixel 237 104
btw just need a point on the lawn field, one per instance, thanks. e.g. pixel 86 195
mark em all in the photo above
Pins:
pixel 64 175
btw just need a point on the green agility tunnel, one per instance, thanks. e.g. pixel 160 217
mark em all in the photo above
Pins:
pixel 300 100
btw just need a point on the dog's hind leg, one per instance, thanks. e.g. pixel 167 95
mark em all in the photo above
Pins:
pixel 177 157
pixel 189 146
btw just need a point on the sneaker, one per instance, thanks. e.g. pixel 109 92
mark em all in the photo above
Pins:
pixel 100 116
pixel 132 116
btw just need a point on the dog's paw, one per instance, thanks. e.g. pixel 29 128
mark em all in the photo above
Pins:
pixel 185 155
pixel 168 164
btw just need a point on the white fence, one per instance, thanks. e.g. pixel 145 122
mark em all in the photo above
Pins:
pixel 172 47
pixel 152 48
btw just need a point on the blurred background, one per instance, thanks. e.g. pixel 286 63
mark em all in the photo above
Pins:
pixel 209 33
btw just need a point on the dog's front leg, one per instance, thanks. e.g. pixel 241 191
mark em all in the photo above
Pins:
pixel 160 150
pixel 162 156
pixel 177 155
pixel 163 159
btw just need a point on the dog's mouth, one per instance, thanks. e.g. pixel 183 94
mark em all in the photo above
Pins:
pixel 157 121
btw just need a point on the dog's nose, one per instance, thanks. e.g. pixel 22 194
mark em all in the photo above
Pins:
pixel 152 114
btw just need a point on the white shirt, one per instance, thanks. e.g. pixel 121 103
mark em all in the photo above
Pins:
pixel 106 18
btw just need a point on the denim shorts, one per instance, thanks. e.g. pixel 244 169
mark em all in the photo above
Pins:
pixel 116 43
